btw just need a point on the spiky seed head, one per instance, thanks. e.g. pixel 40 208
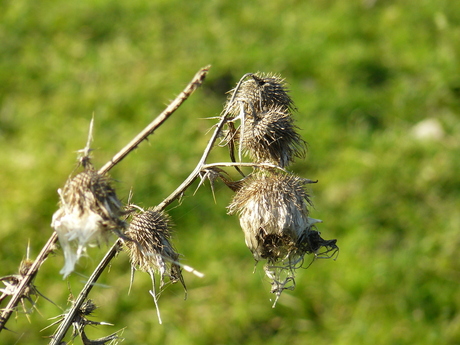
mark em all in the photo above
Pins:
pixel 272 208
pixel 273 211
pixel 92 191
pixel 271 137
pixel 149 246
pixel 259 92
pixel 80 321
pixel 89 209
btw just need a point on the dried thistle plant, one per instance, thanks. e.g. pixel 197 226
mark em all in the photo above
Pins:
pixel 12 282
pixel 89 211
pixel 150 249
pixel 272 204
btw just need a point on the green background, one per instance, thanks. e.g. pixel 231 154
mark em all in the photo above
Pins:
pixel 366 76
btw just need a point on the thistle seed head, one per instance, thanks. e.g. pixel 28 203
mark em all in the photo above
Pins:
pixel 89 208
pixel 273 212
pixel 149 246
pixel 272 137
pixel 260 92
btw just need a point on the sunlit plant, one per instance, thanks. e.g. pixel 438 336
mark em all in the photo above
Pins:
pixel 272 203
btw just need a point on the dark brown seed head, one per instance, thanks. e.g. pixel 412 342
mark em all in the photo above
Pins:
pixel 150 248
pixel 272 137
pixel 260 92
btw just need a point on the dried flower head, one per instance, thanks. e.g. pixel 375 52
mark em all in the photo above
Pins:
pixel 89 209
pixel 273 212
pixel 150 248
pixel 271 136
pixel 258 93
pixel 267 132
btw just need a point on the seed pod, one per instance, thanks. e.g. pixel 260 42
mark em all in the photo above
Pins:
pixel 271 137
pixel 89 209
pixel 150 248
pixel 273 212
pixel 260 92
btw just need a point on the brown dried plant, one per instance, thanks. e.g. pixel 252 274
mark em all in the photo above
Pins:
pixel 79 205
pixel 259 92
pixel 270 136
pixel 272 204
pixel 30 294
pixel 273 212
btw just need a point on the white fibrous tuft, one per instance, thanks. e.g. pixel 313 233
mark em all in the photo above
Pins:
pixel 88 209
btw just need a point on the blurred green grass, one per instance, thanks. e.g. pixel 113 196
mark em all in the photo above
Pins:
pixel 363 75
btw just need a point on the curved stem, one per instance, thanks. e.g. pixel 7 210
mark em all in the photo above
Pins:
pixel 172 107
pixel 194 174
pixel 199 167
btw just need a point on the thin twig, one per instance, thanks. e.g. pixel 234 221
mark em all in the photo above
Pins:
pixel 172 107
pixel 49 246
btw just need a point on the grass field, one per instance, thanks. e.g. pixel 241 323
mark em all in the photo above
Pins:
pixel 377 87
